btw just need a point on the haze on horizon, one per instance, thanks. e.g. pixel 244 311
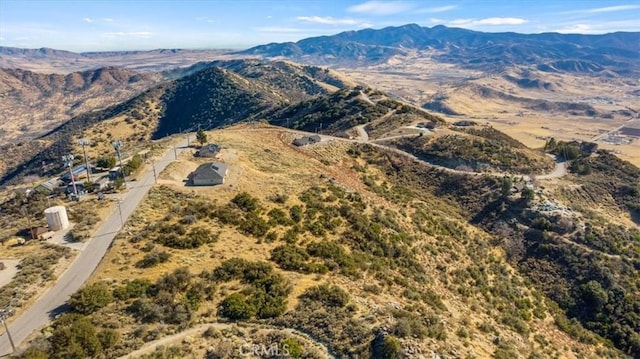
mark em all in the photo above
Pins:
pixel 141 25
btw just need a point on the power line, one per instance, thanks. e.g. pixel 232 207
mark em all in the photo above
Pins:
pixel 4 314
pixel 83 142
pixel 68 161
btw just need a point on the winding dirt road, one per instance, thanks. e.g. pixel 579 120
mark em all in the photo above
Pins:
pixel 199 329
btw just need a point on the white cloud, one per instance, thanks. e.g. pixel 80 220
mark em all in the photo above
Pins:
pixel 490 21
pixel 327 20
pixel 601 27
pixel 576 29
pixel 108 19
pixel 278 29
pixel 611 9
pixel 381 7
pixel 1 38
pixel 136 34
pixel 433 10
pixel 87 20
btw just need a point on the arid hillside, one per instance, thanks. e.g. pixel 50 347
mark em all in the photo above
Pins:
pixel 336 249
pixel 34 103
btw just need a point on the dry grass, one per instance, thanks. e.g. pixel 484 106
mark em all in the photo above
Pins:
pixel 263 163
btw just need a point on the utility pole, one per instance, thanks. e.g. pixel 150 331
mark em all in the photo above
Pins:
pixel 117 145
pixel 68 161
pixel 155 176
pixel 4 314
pixel 118 202
pixel 83 142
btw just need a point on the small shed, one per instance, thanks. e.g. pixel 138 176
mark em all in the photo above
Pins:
pixel 209 174
pixel 307 140
pixel 210 150
pixel 41 233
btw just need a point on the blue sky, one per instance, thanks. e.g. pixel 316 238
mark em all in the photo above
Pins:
pixel 100 25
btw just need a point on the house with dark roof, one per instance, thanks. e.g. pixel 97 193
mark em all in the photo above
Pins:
pixel 209 150
pixel 307 140
pixel 209 174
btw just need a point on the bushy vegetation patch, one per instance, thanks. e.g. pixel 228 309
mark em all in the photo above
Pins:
pixel 265 295
pixel 479 154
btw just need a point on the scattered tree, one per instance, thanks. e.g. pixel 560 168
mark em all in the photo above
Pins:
pixel 236 307
pixel 106 162
pixel 201 136
pixel 91 298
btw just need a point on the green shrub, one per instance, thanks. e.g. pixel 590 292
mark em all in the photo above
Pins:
pixel 237 307
pixel 279 217
pixel 108 338
pixel 328 296
pixel 385 347
pixel 194 239
pixel 90 298
pixel 152 259
pixel 291 257
pixel 228 215
pixel 246 202
pixel 74 336
pixel 254 225
pixel 133 289
pixel 408 326
pixel 292 347
pixel 296 213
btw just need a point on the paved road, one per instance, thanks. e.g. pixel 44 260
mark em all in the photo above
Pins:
pixel 602 135
pixel 87 261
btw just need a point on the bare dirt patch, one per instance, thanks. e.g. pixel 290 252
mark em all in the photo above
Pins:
pixel 9 271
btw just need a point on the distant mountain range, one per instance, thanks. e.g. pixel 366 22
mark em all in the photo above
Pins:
pixel 619 52
pixel 47 60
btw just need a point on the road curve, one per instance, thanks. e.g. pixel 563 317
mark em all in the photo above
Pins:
pixel 38 314
pixel 149 347
pixel 559 170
